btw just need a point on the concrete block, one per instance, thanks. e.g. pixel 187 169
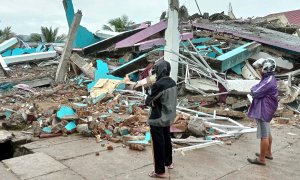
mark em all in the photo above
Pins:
pixel 33 165
pixel 7 44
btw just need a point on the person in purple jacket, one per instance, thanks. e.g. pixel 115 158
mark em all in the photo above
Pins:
pixel 263 107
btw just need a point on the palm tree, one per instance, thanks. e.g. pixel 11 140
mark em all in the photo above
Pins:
pixel 6 34
pixel 50 35
pixel 163 15
pixel 118 24
pixel 183 14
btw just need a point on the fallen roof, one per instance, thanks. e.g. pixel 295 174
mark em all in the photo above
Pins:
pixel 142 35
pixel 258 34
pixel 106 43
pixel 292 16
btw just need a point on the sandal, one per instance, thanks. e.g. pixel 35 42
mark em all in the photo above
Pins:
pixel 267 157
pixel 155 175
pixel 256 161
pixel 171 166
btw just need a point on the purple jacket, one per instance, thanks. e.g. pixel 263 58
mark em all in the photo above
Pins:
pixel 265 98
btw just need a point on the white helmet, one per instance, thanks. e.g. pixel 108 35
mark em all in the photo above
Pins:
pixel 268 65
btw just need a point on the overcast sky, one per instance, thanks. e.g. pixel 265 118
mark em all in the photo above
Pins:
pixel 27 16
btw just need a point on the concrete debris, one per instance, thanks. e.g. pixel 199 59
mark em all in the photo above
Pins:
pixel 5 136
pixel 7 44
pixel 29 57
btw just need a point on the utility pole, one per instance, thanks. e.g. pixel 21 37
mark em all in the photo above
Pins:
pixel 172 38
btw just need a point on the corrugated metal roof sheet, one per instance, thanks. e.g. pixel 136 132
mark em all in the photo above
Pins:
pixel 293 17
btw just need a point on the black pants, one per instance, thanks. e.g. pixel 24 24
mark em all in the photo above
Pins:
pixel 162 148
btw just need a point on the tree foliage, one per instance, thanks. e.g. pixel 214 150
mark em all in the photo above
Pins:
pixel 48 34
pixel 118 24
pixel 183 13
pixel 35 37
pixel 163 15
pixel 6 34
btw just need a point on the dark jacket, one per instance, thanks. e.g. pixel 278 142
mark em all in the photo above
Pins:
pixel 265 98
pixel 163 97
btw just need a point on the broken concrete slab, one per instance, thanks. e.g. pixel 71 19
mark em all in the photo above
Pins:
pixel 3 64
pixel 5 136
pixel 238 55
pixel 46 81
pixel 280 62
pixel 45 143
pixel 33 165
pixel 110 162
pixel 241 86
pixel 85 67
pixel 65 174
pixel 8 43
pixel 5 173
pixel 29 57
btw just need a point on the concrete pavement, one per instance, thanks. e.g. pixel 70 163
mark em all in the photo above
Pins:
pixel 74 157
